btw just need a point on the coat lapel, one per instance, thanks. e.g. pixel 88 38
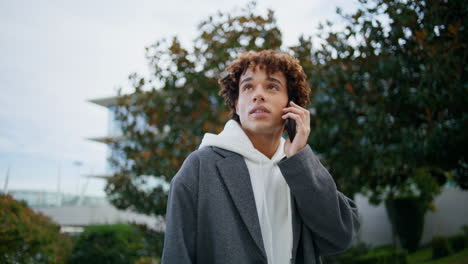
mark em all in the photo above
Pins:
pixel 235 175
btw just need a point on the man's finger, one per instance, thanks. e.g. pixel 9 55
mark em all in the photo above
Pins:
pixel 294 110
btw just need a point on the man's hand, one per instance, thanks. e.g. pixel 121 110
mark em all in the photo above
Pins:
pixel 302 118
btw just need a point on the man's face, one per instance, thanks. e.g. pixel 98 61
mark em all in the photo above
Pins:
pixel 261 100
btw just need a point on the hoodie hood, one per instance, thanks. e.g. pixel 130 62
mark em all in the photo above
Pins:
pixel 234 139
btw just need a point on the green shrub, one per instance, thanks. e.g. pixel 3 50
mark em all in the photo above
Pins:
pixel 348 256
pixel 407 219
pixel 117 244
pixel 379 255
pixel 458 242
pixel 147 260
pixel 153 241
pixel 384 255
pixel 29 237
pixel 440 247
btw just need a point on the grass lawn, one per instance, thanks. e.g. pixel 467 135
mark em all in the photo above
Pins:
pixel 424 256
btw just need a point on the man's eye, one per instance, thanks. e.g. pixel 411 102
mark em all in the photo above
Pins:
pixel 272 87
pixel 247 87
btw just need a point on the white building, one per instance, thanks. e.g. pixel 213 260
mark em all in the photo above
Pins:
pixel 73 212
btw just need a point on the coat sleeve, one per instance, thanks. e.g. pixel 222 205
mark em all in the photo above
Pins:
pixel 330 215
pixel 180 234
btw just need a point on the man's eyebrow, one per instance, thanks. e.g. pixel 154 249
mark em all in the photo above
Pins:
pixel 274 80
pixel 246 80
pixel 268 79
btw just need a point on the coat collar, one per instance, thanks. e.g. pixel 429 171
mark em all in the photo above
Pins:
pixel 236 177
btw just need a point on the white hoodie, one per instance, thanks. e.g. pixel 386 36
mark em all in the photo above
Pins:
pixel 271 192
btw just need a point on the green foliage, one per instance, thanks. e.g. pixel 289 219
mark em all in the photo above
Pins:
pixel 407 218
pixel 421 256
pixel 119 243
pixel 391 108
pixel 29 237
pixel 384 257
pixel 379 255
pixel 153 242
pixel 349 255
pixel 424 256
pixel 147 260
pixel 391 97
pixel 458 258
pixel 458 242
pixel 440 247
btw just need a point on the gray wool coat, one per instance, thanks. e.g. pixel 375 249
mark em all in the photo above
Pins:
pixel 212 217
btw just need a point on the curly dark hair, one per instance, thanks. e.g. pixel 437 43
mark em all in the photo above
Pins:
pixel 273 61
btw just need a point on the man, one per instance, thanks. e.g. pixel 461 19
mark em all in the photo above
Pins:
pixel 249 196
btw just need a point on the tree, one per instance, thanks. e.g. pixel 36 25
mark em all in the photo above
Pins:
pixel 391 89
pixel 29 237
pixel 391 102
pixel 165 117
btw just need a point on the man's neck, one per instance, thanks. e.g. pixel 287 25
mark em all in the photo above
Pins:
pixel 265 143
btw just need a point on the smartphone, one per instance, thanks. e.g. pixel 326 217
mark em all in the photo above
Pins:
pixel 290 125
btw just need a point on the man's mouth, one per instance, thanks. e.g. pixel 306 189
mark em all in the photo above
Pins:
pixel 259 110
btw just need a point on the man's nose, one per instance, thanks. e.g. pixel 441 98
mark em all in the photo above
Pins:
pixel 259 94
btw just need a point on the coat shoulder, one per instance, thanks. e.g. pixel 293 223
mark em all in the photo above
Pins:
pixel 199 160
pixel 206 154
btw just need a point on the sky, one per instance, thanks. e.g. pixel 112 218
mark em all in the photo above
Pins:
pixel 55 56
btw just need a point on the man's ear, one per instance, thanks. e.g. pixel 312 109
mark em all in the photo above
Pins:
pixel 235 106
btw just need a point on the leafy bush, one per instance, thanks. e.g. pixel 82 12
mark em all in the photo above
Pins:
pixel 440 247
pixel 383 255
pixel 360 249
pixel 458 242
pixel 153 242
pixel 147 260
pixel 119 243
pixel 29 237
pixel 347 257
pixel 363 255
pixel 407 218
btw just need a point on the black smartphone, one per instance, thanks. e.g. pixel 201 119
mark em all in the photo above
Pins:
pixel 290 125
